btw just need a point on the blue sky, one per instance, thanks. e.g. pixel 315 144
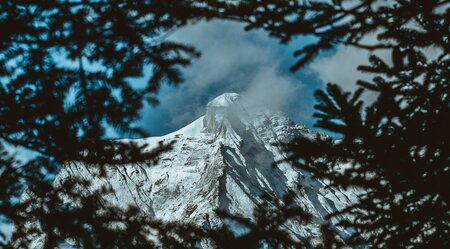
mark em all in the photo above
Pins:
pixel 233 60
pixel 255 65
pixel 250 63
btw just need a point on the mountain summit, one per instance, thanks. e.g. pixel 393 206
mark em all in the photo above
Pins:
pixel 223 160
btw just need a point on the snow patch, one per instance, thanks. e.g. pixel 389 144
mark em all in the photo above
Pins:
pixel 223 160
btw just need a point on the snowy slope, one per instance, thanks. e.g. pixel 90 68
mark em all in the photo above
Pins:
pixel 223 160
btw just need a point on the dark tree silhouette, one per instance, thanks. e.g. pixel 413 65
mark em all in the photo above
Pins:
pixel 64 67
pixel 64 70
pixel 395 148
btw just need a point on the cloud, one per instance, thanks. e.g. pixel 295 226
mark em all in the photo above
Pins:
pixel 232 60
pixel 272 89
pixel 341 66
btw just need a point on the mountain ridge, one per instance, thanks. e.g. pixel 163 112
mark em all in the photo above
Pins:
pixel 223 160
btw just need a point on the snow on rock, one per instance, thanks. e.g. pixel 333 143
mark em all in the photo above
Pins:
pixel 223 160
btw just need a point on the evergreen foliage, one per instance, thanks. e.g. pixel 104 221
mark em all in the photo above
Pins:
pixel 64 67
pixel 396 148
pixel 64 72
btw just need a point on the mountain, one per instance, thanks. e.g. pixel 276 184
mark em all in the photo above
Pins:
pixel 223 160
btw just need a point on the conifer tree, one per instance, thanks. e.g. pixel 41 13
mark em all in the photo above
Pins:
pixel 64 72
pixel 396 148
pixel 64 67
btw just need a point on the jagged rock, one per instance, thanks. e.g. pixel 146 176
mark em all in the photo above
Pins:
pixel 223 160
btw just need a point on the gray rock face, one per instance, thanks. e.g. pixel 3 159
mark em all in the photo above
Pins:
pixel 223 160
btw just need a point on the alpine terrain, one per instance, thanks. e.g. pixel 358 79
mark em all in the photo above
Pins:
pixel 223 160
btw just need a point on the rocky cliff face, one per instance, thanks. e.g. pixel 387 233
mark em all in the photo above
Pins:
pixel 223 160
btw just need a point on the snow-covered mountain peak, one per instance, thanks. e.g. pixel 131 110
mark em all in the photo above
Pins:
pixel 224 160
pixel 225 100
pixel 224 113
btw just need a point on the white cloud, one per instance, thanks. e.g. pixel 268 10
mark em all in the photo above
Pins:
pixel 341 67
pixel 271 89
pixel 232 60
